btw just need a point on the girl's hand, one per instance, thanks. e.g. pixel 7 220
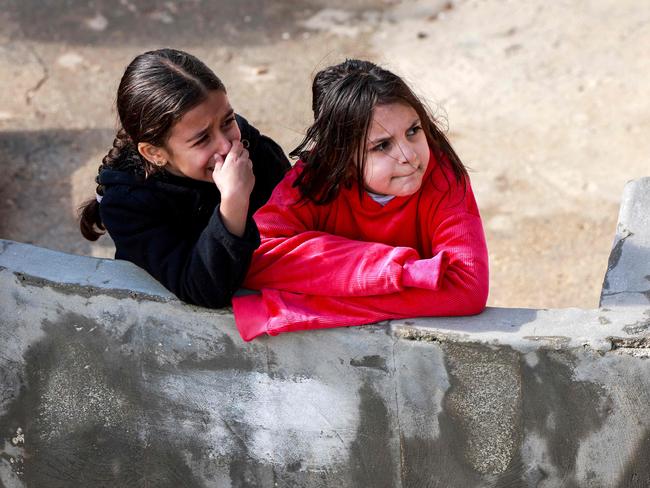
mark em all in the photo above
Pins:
pixel 235 180
pixel 234 175
pixel 426 273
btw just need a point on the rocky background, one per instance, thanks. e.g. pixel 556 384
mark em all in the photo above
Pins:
pixel 548 103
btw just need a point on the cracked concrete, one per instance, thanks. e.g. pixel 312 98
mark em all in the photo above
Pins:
pixel 31 92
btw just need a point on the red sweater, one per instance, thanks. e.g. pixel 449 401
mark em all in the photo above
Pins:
pixel 354 261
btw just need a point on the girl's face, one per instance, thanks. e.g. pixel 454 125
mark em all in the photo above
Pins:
pixel 397 151
pixel 208 129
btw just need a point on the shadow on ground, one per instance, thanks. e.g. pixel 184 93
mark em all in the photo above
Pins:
pixel 103 22
pixel 37 164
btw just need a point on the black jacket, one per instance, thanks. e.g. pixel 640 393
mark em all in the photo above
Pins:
pixel 171 226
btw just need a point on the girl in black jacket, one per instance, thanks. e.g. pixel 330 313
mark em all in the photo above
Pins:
pixel 177 191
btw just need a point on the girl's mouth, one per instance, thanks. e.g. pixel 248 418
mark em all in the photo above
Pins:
pixel 410 174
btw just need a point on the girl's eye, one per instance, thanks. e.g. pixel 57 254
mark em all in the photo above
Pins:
pixel 228 122
pixel 413 130
pixel 382 146
pixel 201 140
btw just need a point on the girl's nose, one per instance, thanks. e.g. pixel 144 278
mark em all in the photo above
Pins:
pixel 407 154
pixel 221 144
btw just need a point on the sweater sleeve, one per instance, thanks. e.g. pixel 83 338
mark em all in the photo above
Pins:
pixel 204 271
pixel 462 286
pixel 294 257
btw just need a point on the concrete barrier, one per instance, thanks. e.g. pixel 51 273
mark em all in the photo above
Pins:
pixel 108 380
pixel 627 281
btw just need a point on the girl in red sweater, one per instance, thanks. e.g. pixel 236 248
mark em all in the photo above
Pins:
pixel 377 220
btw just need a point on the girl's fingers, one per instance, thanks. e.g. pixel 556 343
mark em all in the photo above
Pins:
pixel 217 160
pixel 237 148
pixel 236 151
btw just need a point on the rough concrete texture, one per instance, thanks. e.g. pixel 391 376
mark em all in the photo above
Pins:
pixel 107 380
pixel 627 281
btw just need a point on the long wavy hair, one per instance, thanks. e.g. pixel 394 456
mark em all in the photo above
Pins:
pixel 335 145
pixel 156 90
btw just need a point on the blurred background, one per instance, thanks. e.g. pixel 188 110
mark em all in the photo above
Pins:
pixel 548 103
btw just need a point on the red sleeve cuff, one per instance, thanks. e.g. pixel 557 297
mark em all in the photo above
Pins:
pixel 251 316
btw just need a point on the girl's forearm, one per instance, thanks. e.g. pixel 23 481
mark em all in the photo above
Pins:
pixel 318 263
pixel 276 311
pixel 234 212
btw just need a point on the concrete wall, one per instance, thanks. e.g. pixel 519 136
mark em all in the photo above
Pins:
pixel 107 380
pixel 627 281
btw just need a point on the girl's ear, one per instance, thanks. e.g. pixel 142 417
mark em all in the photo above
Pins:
pixel 154 154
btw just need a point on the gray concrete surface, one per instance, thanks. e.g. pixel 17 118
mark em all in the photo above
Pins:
pixel 107 380
pixel 627 281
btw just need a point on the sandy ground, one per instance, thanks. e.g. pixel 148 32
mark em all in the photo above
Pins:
pixel 546 102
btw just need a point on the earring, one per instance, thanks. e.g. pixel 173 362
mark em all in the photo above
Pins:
pixel 160 163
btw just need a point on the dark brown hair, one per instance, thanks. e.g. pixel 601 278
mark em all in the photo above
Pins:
pixel 156 90
pixel 343 99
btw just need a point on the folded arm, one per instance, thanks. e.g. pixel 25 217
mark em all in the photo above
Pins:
pixel 462 290
pixel 316 286
pixel 296 258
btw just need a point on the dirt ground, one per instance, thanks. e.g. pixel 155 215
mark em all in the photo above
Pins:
pixel 546 102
